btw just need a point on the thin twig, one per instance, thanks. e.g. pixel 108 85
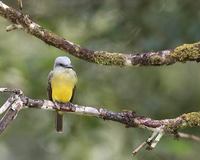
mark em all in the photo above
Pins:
pixel 188 136
pixel 15 91
pixel 11 113
pixel 13 27
pixel 7 104
pixel 136 150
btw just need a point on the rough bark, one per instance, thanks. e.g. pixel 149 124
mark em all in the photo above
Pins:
pixel 19 101
pixel 182 53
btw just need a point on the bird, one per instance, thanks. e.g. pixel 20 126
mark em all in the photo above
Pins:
pixel 61 86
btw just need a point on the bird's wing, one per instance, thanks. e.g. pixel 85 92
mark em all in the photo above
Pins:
pixel 73 92
pixel 49 90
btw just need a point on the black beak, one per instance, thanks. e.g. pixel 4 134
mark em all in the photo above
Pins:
pixel 68 66
pixel 64 65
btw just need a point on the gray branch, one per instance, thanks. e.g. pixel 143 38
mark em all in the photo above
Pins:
pixel 182 53
pixel 18 101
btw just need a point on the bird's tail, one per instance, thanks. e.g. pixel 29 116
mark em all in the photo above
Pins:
pixel 59 122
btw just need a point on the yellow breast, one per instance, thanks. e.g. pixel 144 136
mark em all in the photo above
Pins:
pixel 62 84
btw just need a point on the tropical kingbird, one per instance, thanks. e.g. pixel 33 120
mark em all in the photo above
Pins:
pixel 61 85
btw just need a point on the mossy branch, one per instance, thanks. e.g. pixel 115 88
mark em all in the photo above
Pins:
pixel 182 53
pixel 19 101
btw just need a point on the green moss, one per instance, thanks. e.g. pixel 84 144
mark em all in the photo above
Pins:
pixel 106 58
pixel 187 52
pixel 186 120
pixel 156 60
pixel 173 126
pixel 192 119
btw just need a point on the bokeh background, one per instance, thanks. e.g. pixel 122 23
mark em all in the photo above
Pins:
pixel 113 25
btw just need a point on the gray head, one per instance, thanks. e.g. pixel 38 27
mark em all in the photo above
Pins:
pixel 62 61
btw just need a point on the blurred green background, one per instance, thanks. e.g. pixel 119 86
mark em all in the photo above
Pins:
pixel 113 25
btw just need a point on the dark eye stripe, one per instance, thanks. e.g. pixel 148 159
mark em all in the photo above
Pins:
pixel 63 65
pixel 60 64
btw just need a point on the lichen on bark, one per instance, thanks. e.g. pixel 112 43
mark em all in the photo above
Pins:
pixel 186 52
pixel 192 119
pixel 105 58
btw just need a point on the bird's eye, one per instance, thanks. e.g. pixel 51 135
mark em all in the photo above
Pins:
pixel 61 64
pixel 64 65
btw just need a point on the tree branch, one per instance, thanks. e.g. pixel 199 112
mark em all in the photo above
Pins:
pixel 19 101
pixel 188 136
pixel 183 53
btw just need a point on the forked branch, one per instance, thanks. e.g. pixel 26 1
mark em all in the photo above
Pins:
pixel 18 101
